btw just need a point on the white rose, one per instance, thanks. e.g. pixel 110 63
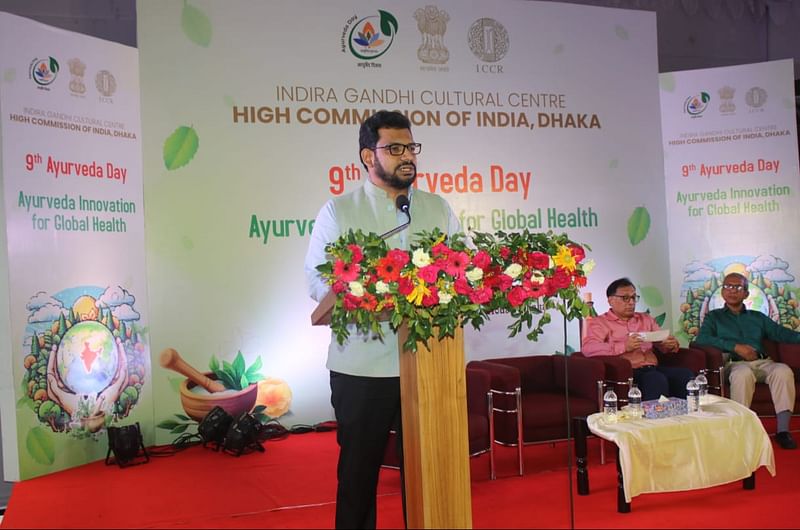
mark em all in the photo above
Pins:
pixel 420 258
pixel 514 270
pixel 381 287
pixel 444 298
pixel 356 288
pixel 588 266
pixel 475 274
pixel 537 277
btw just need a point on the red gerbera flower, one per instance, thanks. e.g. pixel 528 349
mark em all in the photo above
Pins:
pixel 369 302
pixel 388 269
pixel 346 272
pixel 457 264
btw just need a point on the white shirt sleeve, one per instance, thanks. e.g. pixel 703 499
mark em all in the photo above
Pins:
pixel 326 230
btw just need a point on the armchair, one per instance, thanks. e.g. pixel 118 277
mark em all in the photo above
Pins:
pixel 782 352
pixel 480 425
pixel 529 396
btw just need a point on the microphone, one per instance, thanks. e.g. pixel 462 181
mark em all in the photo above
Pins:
pixel 402 204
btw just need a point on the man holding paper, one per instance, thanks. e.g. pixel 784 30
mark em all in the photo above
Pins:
pixel 623 332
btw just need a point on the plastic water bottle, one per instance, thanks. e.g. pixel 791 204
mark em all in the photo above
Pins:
pixel 702 385
pixel 635 401
pixel 692 396
pixel 610 406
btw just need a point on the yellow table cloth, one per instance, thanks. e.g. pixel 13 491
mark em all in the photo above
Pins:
pixel 721 443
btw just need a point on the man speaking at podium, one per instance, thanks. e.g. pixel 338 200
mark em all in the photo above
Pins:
pixel 365 371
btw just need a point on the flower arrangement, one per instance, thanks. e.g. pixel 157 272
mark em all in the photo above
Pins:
pixel 443 283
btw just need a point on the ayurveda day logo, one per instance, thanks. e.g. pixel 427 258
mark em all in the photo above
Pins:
pixel 696 104
pixel 43 71
pixel 371 37
pixel 85 361
pixel 770 289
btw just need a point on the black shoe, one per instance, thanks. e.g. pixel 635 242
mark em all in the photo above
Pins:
pixel 785 440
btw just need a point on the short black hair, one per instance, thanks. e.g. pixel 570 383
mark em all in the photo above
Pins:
pixel 616 284
pixel 383 119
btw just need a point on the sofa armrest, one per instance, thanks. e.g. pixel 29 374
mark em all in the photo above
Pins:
pixel 693 359
pixel 790 354
pixel 505 383
pixel 479 384
pixel 714 358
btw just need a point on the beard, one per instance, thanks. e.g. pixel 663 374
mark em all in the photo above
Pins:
pixel 395 180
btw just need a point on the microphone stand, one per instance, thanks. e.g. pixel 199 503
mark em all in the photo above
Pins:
pixel 403 206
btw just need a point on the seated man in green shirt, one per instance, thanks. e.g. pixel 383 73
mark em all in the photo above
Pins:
pixel 738 331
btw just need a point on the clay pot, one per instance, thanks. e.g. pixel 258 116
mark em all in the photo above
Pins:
pixel 197 405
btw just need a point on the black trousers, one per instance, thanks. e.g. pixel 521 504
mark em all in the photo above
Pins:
pixel 366 409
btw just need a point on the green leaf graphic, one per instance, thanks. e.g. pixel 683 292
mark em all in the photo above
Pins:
pixel 40 446
pixel 652 296
pixel 180 147
pixel 53 65
pixel 388 23
pixel 660 319
pixel 705 96
pixel 638 225
pixel 196 25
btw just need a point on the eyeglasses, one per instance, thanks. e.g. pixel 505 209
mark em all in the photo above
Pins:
pixel 731 287
pixel 626 298
pixel 399 149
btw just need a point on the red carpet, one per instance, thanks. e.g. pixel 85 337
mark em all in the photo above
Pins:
pixel 292 485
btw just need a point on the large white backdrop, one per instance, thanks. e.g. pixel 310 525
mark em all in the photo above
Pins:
pixel 537 115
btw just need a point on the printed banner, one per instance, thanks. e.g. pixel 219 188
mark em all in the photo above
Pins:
pixel 77 359
pixel 532 115
pixel 730 161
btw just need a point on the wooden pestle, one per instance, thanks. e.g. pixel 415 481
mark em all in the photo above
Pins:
pixel 169 358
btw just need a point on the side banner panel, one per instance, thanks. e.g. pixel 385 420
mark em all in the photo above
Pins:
pixel 732 181
pixel 72 184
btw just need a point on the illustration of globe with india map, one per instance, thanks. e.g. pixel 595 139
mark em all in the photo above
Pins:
pixel 87 358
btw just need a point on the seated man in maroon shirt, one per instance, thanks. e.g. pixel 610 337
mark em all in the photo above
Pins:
pixel 616 332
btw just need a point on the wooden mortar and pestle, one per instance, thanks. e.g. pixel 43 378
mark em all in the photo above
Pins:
pixel 197 405
pixel 172 360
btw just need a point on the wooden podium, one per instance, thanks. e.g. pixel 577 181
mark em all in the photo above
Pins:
pixel 435 436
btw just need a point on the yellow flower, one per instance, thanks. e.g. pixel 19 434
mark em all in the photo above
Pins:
pixel 564 258
pixel 420 291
